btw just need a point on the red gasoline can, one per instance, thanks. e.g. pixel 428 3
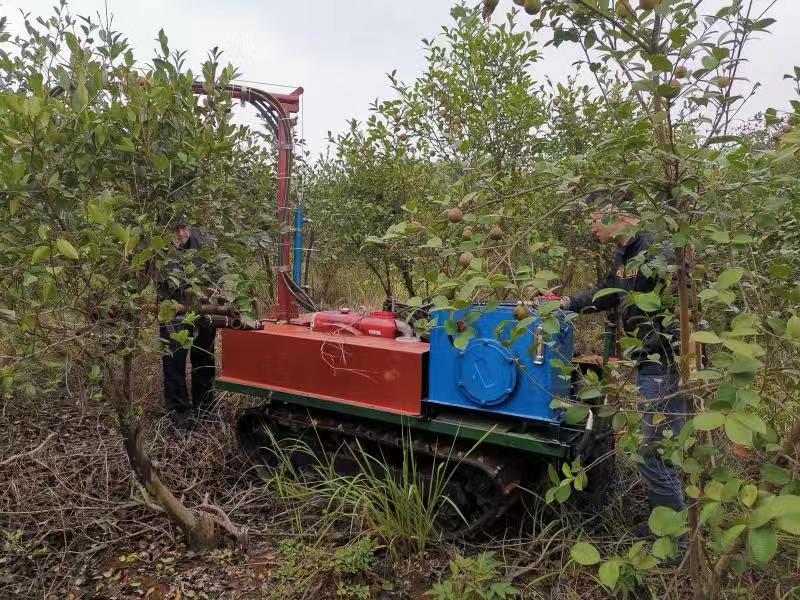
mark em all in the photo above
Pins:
pixel 377 323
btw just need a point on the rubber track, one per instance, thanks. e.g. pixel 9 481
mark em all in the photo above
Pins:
pixel 501 477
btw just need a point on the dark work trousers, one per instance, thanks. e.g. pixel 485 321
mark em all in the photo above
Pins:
pixel 660 387
pixel 201 355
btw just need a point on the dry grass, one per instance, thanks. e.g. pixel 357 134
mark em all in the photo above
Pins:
pixel 73 520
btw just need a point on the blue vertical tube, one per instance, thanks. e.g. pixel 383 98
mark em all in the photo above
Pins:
pixel 297 262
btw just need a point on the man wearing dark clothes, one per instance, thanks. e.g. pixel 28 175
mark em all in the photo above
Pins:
pixel 174 286
pixel 639 265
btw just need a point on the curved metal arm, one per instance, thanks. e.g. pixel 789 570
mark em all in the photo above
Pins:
pixel 277 110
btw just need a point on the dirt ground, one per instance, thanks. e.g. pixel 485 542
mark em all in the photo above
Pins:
pixel 74 524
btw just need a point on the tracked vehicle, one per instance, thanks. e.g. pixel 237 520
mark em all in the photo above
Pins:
pixel 339 377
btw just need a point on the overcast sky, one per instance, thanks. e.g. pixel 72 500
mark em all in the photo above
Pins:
pixel 341 50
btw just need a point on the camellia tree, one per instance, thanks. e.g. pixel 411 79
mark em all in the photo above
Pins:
pixel 95 159
pixel 723 201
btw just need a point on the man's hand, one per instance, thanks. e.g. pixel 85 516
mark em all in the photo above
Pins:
pixel 564 303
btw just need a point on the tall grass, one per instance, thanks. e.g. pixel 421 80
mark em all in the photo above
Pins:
pixel 398 503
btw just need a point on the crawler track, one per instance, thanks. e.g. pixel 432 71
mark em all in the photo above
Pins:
pixel 482 481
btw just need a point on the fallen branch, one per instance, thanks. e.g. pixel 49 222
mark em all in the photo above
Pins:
pixel 38 448
pixel 221 518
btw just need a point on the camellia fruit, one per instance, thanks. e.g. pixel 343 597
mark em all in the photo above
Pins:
pixel 724 82
pixel 496 233
pixel 787 128
pixel 532 7
pixel 681 72
pixel 467 233
pixel 519 2
pixel 402 137
pixel 648 4
pixel 454 215
pixel 521 312
pixel 491 3
pixel 466 259
pixel 443 112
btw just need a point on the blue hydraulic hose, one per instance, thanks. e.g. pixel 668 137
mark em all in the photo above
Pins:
pixel 297 263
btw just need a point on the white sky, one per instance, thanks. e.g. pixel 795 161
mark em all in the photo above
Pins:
pixel 341 50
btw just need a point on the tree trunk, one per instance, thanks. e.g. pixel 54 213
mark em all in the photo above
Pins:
pixel 696 561
pixel 404 265
pixel 790 443
pixel 198 527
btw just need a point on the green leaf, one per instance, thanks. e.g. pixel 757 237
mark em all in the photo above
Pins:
pixel 729 277
pixel 664 521
pixel 649 302
pixel 762 544
pixel 96 214
pixel 66 249
pixel 744 365
pixel 743 348
pixel 709 421
pixel 664 548
pixel 606 292
pixel 40 254
pixel 748 495
pixel 775 474
pixel 774 507
pixel 738 432
pixel 162 41
pixel 793 328
pixel 729 537
pixel 751 421
pixel 585 554
pixel 789 523
pixel 705 337
pixel 660 63
pixel 551 325
pixel 462 340
pixel 723 237
pixel 125 145
pixel 80 98
pixel 182 336
pixel 576 414
pixel 609 573
pixel 709 511
pixel 710 62
pixel 451 327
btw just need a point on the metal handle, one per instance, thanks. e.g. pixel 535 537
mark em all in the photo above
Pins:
pixel 538 341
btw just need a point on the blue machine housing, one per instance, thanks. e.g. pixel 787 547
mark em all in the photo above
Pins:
pixel 518 381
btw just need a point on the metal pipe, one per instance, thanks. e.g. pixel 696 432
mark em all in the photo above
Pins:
pixel 223 310
pixel 404 328
pixel 276 110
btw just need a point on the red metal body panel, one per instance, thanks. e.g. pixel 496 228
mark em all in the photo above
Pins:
pixel 363 370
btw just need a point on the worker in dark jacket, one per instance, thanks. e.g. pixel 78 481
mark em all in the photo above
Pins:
pixel 174 286
pixel 640 265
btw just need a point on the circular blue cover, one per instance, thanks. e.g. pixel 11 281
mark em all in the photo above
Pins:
pixel 486 372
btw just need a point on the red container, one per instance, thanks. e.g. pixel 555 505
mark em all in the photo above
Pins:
pixel 376 324
pixel 362 370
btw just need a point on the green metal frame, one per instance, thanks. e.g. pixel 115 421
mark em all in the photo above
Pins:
pixel 462 427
